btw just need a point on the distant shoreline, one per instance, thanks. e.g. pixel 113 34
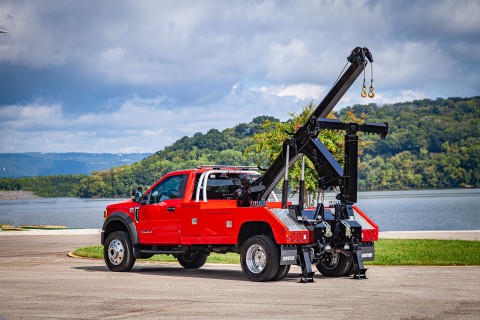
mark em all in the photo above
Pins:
pixel 17 195
pixel 29 195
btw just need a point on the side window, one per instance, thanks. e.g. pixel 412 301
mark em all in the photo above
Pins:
pixel 170 188
pixel 219 186
pixel 222 187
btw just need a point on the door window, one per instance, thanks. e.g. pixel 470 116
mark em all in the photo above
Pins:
pixel 170 188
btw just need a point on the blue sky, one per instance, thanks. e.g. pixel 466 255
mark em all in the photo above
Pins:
pixel 134 76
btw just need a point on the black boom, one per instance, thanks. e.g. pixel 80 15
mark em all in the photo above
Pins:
pixel 305 141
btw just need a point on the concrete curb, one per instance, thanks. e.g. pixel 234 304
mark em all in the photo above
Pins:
pixel 41 232
pixel 73 255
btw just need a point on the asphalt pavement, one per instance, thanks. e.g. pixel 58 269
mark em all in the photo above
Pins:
pixel 39 281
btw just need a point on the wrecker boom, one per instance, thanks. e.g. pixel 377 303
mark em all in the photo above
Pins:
pixel 305 141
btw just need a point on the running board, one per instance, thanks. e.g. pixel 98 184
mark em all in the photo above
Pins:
pixel 163 251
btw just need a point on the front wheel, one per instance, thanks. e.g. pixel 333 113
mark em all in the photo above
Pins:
pixel 260 258
pixel 118 252
pixel 337 264
pixel 192 260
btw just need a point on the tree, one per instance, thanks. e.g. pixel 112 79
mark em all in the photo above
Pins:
pixel 267 145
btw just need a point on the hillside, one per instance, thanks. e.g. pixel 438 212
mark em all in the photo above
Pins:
pixel 32 164
pixel 431 144
pixel 224 147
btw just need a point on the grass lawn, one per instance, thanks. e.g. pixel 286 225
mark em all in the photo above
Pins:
pixel 424 252
pixel 388 252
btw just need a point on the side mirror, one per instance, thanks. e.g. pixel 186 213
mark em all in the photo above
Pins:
pixel 137 194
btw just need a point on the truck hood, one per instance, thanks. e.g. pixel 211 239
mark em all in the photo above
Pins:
pixel 119 205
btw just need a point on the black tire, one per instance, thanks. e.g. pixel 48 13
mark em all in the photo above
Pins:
pixel 335 266
pixel 352 266
pixel 146 255
pixel 259 258
pixel 282 272
pixel 118 252
pixel 192 260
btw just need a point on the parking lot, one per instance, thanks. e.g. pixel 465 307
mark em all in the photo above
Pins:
pixel 39 280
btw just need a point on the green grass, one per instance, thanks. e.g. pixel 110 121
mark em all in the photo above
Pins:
pixel 415 252
pixel 96 252
pixel 388 252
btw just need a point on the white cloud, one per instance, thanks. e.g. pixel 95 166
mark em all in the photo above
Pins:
pixel 304 91
pixel 404 96
pixel 36 115
pixel 140 124
pixel 154 71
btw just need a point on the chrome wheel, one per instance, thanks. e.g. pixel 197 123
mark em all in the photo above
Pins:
pixel 260 258
pixel 256 258
pixel 116 252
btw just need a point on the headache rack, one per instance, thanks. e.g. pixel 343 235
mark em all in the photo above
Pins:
pixel 226 167
pixel 203 180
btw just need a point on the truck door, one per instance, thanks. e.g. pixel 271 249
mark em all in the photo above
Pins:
pixel 159 219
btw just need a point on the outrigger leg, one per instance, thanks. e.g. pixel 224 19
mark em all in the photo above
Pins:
pixel 306 265
pixel 359 270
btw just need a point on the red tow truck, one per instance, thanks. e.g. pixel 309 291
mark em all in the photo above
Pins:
pixel 217 208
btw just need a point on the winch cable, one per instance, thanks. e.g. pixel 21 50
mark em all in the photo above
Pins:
pixel 364 87
pixel 339 76
pixel 371 93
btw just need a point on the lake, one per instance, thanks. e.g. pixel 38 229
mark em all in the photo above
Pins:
pixel 452 209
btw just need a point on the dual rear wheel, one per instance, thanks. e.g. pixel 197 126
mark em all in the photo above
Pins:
pixel 260 260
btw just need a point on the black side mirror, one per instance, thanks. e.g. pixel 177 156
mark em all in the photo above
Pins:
pixel 137 194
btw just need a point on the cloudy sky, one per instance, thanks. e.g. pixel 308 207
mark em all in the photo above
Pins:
pixel 134 76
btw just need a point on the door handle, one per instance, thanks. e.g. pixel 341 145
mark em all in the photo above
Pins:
pixel 171 209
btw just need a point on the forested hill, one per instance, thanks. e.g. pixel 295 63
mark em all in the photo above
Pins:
pixel 431 144
pixel 213 147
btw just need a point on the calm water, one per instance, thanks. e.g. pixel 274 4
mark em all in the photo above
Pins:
pixel 455 209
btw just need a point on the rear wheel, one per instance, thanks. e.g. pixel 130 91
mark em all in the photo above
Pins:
pixel 118 252
pixel 337 264
pixel 260 258
pixel 282 272
pixel 192 260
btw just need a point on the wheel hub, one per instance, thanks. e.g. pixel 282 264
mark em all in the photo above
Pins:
pixel 331 260
pixel 116 252
pixel 256 258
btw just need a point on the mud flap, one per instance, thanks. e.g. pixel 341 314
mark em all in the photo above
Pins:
pixel 306 265
pixel 359 270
